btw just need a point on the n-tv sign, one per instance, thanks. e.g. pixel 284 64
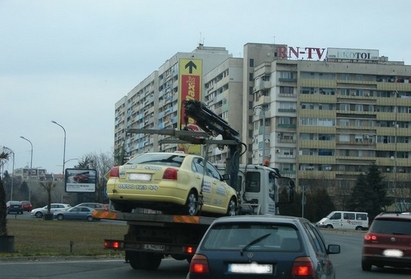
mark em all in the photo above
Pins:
pixel 190 76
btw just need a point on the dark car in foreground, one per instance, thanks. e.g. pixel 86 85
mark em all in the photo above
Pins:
pixel 388 242
pixel 262 246
pixel 14 207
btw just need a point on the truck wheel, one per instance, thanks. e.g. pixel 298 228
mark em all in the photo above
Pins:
pixel 191 206
pixel 151 261
pixel 134 260
pixel 144 261
pixel 232 207
pixel 329 227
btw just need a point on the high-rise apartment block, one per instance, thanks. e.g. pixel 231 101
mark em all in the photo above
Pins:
pixel 317 114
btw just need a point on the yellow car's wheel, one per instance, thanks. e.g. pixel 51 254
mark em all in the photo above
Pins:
pixel 232 207
pixel 191 206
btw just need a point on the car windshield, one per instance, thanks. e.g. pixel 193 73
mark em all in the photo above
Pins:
pixel 255 236
pixel 174 160
pixel 391 226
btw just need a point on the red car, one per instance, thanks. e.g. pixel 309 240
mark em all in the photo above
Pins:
pixel 387 242
pixel 26 205
pixel 81 177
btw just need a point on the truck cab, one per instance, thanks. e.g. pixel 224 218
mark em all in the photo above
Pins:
pixel 259 188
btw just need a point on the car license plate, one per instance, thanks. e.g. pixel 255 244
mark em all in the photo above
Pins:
pixel 139 176
pixel 154 247
pixel 250 268
pixel 393 253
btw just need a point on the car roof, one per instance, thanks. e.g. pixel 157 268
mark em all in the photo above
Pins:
pixel 89 203
pixel 393 215
pixel 166 153
pixel 261 218
pixel 81 206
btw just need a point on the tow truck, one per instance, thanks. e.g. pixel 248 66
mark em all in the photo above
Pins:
pixel 153 236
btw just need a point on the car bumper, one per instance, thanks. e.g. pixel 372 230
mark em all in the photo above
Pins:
pixel 163 193
pixel 379 260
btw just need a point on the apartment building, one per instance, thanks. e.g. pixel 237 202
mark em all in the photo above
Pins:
pixel 328 119
pixel 320 115
pixel 223 95
pixel 155 102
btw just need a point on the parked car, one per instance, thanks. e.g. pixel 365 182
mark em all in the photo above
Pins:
pixel 262 246
pixel 172 183
pixel 94 205
pixel 387 242
pixel 345 220
pixel 14 207
pixel 39 212
pixel 27 206
pixel 76 213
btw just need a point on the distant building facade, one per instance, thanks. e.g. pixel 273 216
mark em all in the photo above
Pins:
pixel 316 114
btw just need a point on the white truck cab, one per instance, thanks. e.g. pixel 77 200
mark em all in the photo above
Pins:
pixel 345 220
pixel 259 188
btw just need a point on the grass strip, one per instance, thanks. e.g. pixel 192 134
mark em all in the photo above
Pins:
pixel 49 238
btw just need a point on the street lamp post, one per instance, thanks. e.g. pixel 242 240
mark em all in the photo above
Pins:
pixel 64 147
pixel 263 113
pixel 31 152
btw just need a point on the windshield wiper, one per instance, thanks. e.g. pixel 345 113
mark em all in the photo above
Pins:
pixel 254 242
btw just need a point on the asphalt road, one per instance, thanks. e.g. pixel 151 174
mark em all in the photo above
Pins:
pixel 347 264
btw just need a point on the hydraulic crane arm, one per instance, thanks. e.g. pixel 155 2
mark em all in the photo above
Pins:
pixel 209 121
pixel 214 125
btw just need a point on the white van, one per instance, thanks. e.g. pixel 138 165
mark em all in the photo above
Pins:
pixel 345 220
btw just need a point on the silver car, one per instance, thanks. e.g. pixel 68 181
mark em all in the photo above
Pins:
pixel 39 212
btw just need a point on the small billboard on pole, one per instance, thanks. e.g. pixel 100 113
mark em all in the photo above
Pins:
pixel 80 180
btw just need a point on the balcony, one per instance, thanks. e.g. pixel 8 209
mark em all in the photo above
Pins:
pixel 287 79
pixel 287 126
pixel 262 100
pixel 287 110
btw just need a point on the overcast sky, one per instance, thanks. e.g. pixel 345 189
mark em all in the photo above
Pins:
pixel 71 60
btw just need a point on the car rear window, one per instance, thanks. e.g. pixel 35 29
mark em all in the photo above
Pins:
pixel 174 160
pixel 256 236
pixel 391 226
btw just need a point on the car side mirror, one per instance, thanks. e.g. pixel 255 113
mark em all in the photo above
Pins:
pixel 333 249
pixel 225 177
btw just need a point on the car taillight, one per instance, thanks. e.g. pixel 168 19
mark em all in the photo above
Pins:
pixel 170 173
pixel 114 172
pixel 199 264
pixel 370 237
pixel 302 266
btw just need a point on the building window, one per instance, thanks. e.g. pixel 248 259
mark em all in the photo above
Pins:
pixel 286 90
pixel 251 76
pixel 251 62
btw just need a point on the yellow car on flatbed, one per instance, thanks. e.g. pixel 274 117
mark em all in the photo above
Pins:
pixel 174 183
